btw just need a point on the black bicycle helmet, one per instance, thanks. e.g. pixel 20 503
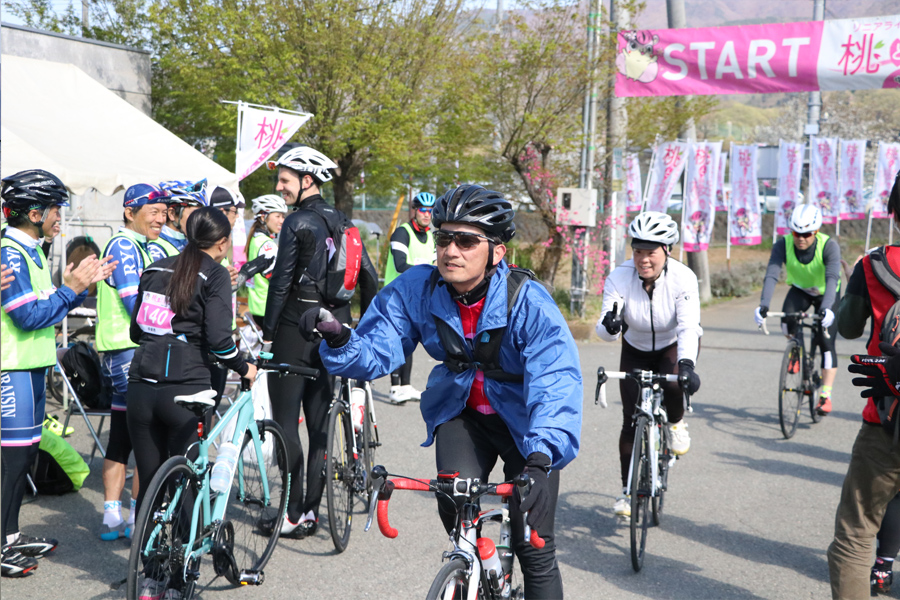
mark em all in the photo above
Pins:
pixel 33 189
pixel 475 205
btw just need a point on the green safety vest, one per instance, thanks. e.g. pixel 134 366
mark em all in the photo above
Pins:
pixel 419 253
pixel 259 290
pixel 24 350
pixel 166 245
pixel 811 277
pixel 113 320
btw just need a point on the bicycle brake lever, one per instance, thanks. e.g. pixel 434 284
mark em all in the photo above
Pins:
pixel 378 477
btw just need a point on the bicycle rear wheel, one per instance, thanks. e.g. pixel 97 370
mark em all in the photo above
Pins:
pixel 248 510
pixel 161 532
pixel 452 581
pixel 340 474
pixel 790 388
pixel 665 455
pixel 814 382
pixel 641 490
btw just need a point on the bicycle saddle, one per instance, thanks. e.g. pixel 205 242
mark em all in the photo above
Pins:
pixel 198 403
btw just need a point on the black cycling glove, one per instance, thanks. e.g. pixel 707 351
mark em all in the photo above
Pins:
pixel 612 320
pixel 537 502
pixel 881 373
pixel 687 378
pixel 319 321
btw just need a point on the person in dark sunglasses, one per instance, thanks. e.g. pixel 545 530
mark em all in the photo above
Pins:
pixel 813 262
pixel 522 404
pixel 411 244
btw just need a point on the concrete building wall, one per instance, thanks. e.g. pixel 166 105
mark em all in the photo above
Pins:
pixel 122 69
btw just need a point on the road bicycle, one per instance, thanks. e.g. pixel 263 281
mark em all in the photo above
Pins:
pixel 476 568
pixel 800 374
pixel 350 456
pixel 182 519
pixel 651 455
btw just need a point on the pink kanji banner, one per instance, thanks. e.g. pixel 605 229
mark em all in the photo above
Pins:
pixel 261 133
pixel 790 169
pixel 885 173
pixel 745 227
pixel 721 193
pixel 823 184
pixel 845 54
pixel 665 172
pixel 700 199
pixel 634 195
pixel 853 154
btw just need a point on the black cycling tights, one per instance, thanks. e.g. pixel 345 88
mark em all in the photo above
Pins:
pixel 889 534
pixel 287 394
pixel 401 375
pixel 471 444
pixel 659 361
pixel 16 461
pixel 798 301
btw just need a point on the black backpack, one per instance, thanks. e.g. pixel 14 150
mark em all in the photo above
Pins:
pixel 345 262
pixel 485 356
pixel 82 366
pixel 888 408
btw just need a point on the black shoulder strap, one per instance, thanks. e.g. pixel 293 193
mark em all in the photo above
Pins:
pixel 883 272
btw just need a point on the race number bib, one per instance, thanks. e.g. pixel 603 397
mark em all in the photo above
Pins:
pixel 155 316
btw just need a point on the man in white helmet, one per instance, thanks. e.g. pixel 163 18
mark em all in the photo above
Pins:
pixel 813 262
pixel 304 248
pixel 653 302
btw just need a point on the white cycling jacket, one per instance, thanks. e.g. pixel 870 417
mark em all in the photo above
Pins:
pixel 671 314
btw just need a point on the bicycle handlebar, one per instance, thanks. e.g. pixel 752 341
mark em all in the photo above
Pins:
pixel 421 485
pixel 603 375
pixel 285 368
pixel 798 315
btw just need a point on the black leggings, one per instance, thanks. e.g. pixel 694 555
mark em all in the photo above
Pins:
pixel 401 375
pixel 798 301
pixel 658 361
pixel 471 443
pixel 159 428
pixel 889 534
pixel 288 394
pixel 16 462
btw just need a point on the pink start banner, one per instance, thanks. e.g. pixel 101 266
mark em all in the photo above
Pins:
pixel 846 54
pixel 700 201
pixel 853 154
pixel 790 167
pixel 744 223
pixel 823 184
pixel 885 173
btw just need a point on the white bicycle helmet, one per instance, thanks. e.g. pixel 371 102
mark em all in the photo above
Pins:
pixel 806 218
pixel 268 204
pixel 653 228
pixel 305 160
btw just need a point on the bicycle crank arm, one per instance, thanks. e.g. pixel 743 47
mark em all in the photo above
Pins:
pixel 252 578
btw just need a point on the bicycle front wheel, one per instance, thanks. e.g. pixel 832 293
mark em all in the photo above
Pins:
pixel 790 388
pixel 452 581
pixel 162 532
pixel 641 491
pixel 339 474
pixel 249 510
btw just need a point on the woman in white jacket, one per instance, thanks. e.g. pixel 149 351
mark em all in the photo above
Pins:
pixel 653 302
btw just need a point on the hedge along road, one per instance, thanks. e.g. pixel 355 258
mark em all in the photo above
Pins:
pixel 748 514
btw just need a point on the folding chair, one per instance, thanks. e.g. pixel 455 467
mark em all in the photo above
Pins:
pixel 75 403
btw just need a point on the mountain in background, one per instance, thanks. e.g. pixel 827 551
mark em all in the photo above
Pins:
pixel 718 13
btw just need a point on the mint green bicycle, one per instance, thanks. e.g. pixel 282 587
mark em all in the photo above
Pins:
pixel 182 518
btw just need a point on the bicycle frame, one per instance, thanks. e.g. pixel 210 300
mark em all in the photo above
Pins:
pixel 816 330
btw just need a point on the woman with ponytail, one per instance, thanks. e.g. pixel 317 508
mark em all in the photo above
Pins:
pixel 182 316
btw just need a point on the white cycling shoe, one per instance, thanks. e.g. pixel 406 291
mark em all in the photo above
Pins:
pixel 679 439
pixel 413 393
pixel 399 395
pixel 622 507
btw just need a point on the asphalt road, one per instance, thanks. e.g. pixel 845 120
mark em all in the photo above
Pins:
pixel 748 514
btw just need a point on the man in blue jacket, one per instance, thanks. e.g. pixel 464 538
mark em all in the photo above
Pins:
pixel 522 404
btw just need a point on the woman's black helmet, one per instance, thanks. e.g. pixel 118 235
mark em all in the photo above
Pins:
pixel 32 189
pixel 474 205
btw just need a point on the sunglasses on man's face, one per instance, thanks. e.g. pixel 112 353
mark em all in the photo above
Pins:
pixel 806 235
pixel 425 210
pixel 463 239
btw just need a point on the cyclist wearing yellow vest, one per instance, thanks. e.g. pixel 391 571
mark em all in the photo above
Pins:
pixel 31 308
pixel 184 198
pixel 411 244
pixel 813 262
pixel 269 212
pixel 144 216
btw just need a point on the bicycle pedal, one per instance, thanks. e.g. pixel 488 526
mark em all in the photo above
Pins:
pixel 252 578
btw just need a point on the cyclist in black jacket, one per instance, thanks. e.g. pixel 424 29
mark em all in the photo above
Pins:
pixel 303 253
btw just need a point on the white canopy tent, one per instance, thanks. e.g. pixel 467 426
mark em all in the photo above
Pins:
pixel 93 138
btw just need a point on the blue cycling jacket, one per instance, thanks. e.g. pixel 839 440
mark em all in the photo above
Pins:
pixel 543 413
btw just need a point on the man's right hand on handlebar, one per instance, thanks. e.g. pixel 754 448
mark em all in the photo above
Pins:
pixel 537 501
pixel 319 321
pixel 613 321
pixel 760 315
pixel 687 378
